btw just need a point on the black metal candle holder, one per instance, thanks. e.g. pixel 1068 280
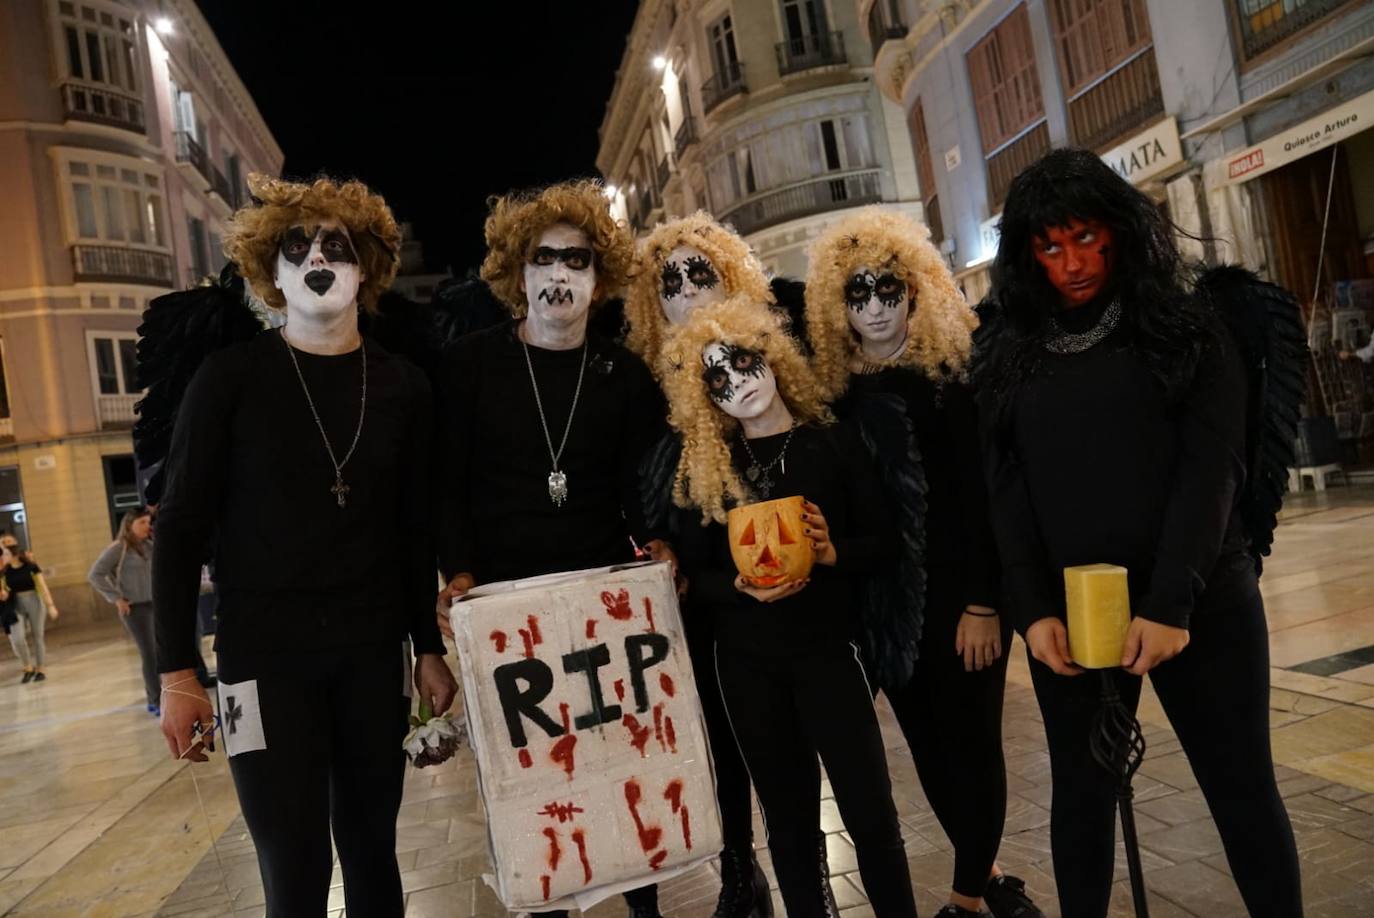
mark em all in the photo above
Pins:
pixel 1118 745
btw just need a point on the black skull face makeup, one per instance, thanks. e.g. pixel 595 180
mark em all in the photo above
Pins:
pixel 560 276
pixel 738 380
pixel 689 281
pixel 302 276
pixel 878 305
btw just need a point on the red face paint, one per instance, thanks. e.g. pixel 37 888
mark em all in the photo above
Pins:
pixel 1077 259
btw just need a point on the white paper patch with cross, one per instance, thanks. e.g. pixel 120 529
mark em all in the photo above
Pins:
pixel 240 718
pixel 592 756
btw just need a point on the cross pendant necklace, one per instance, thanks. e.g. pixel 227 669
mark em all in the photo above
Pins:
pixel 339 490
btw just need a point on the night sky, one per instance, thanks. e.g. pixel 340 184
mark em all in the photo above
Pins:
pixel 513 89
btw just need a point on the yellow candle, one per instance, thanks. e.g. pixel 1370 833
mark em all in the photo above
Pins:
pixel 1099 605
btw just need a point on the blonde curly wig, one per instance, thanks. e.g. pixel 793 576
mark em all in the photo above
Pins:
pixel 517 219
pixel 740 272
pixel 705 476
pixel 939 326
pixel 254 234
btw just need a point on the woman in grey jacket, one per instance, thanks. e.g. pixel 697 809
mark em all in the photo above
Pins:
pixel 123 574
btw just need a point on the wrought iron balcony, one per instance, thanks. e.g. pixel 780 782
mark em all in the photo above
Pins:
pixel 804 199
pixel 222 189
pixel 686 135
pixel 191 153
pixel 664 171
pixel 117 264
pixel 809 51
pixel 724 85
pixel 1005 164
pixel 1265 24
pixel 83 102
pixel 881 31
pixel 1125 99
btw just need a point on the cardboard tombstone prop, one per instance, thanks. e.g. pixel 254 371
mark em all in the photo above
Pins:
pixel 767 542
pixel 591 750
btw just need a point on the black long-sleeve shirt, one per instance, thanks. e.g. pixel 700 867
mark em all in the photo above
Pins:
pixel 1096 466
pixel 830 467
pixel 960 549
pixel 248 483
pixel 499 522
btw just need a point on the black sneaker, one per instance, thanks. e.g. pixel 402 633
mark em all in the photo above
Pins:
pixel 954 911
pixel 28 676
pixel 1006 897
pixel 39 677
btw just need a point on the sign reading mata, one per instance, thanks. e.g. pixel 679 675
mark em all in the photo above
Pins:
pixel 591 750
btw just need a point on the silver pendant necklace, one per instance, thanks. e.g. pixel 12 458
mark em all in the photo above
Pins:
pixel 758 473
pixel 558 479
pixel 339 490
pixel 1061 342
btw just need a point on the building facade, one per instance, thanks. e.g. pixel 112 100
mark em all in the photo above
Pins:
pixel 762 112
pixel 125 142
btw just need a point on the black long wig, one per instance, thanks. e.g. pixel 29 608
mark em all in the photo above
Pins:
pixel 1171 328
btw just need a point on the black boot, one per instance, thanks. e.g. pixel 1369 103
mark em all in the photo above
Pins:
pixel 743 887
pixel 1006 898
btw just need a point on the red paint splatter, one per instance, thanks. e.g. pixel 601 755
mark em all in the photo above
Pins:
pixel 620 690
pixel 555 852
pixel 563 711
pixel 525 760
pixel 686 829
pixel 499 639
pixel 658 726
pixel 531 635
pixel 665 682
pixel 673 794
pixel 639 736
pixel 671 733
pixel 580 840
pixel 563 812
pixel 649 613
pixel 657 860
pixel 617 606
pixel 648 836
pixel 562 753
pixel 591 629
pixel 544 882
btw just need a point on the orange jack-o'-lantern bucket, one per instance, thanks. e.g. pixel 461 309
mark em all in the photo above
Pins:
pixel 768 542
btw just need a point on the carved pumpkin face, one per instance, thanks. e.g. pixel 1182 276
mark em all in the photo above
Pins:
pixel 768 542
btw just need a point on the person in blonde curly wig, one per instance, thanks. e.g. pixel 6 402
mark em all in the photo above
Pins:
pixel 682 266
pixel 903 307
pixel 285 210
pixel 517 221
pixel 754 428
pixel 885 319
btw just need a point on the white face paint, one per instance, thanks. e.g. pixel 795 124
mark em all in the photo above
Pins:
pixel 878 306
pixel 738 380
pixel 318 272
pixel 560 277
pixel 688 281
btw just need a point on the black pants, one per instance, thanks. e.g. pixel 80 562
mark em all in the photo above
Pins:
pixel 1216 694
pixel 732 776
pixel 333 721
pixel 786 710
pixel 952 721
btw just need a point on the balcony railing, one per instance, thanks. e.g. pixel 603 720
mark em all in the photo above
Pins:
pixel 189 152
pixel 102 106
pixel 664 171
pixel 1123 100
pixel 115 264
pixel 724 85
pixel 116 410
pixel 686 135
pixel 1005 164
pixel 1264 25
pixel 802 200
pixel 807 51
pixel 220 186
pixel 881 31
